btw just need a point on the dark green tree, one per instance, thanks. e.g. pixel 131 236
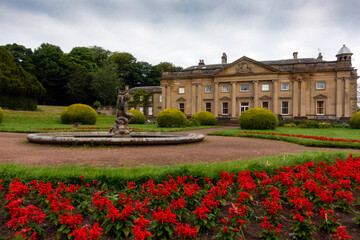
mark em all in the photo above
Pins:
pixel 16 83
pixel 106 84
pixel 78 88
pixel 52 70
pixel 146 74
pixel 22 56
pixel 84 57
pixel 167 67
pixel 100 55
pixel 126 67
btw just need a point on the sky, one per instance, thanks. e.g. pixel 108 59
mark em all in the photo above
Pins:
pixel 184 31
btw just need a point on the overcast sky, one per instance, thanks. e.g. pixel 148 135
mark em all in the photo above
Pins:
pixel 184 31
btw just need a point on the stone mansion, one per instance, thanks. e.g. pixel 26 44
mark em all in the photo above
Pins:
pixel 309 88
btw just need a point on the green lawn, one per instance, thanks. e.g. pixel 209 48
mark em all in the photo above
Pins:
pixel 49 117
pixel 339 133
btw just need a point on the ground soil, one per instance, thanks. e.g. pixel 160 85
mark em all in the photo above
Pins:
pixel 14 148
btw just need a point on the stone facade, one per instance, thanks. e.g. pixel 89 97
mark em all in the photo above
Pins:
pixel 297 87
pixel 155 105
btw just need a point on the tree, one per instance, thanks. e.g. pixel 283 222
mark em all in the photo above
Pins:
pixel 126 66
pixel 78 87
pixel 52 70
pixel 100 55
pixel 22 56
pixel 15 82
pixel 84 57
pixel 167 67
pixel 105 84
pixel 146 74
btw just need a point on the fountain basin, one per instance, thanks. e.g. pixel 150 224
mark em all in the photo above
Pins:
pixel 105 138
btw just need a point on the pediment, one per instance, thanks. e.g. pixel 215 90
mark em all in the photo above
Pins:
pixel 265 98
pixel 246 66
pixel 225 99
pixel 320 96
pixel 181 99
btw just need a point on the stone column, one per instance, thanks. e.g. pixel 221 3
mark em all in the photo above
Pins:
pixel 256 93
pixel 295 97
pixel 163 100
pixel 339 98
pixel 233 99
pixel 275 97
pixel 302 97
pixel 199 98
pixel 168 97
pixel 216 100
pixel 347 105
pixel 193 98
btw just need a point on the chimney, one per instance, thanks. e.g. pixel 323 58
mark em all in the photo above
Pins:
pixel 224 58
pixel 201 62
pixel 295 55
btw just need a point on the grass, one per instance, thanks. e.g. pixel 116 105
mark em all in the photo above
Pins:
pixel 49 117
pixel 117 178
pixel 340 133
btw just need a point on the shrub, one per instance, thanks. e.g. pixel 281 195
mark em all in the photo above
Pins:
pixel 192 123
pixel 1 115
pixel 258 118
pixel 354 121
pixel 79 113
pixel 139 117
pixel 205 118
pixel 19 102
pixel 96 104
pixel 310 124
pixel 171 117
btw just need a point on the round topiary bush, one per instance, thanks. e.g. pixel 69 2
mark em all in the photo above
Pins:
pixel 205 118
pixel 354 121
pixel 1 115
pixel 79 113
pixel 139 117
pixel 258 118
pixel 171 117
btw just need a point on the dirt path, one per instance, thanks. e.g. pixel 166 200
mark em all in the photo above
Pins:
pixel 15 149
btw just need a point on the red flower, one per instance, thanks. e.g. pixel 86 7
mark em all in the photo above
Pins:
pixel 341 234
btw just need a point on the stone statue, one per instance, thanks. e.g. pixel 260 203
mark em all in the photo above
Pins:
pixel 121 127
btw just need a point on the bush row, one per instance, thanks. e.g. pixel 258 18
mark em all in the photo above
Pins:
pixel 19 102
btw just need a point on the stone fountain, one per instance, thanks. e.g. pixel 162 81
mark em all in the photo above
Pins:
pixel 120 134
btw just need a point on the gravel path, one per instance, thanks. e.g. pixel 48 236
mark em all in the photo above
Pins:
pixel 14 148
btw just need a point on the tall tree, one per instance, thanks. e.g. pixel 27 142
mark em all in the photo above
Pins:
pixel 100 55
pixel 146 74
pixel 167 67
pixel 22 56
pixel 78 88
pixel 126 65
pixel 15 81
pixel 84 57
pixel 52 70
pixel 106 83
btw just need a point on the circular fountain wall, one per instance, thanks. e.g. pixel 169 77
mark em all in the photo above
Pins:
pixel 105 138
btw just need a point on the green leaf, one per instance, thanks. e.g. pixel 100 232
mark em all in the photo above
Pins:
pixel 126 231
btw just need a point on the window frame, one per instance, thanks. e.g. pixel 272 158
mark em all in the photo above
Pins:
pixel 317 108
pixel 182 109
pixel 268 104
pixel 181 90
pixel 317 86
pixel 265 90
pixel 282 108
pixel 222 88
pixel 284 89
pixel 206 107
pixel 241 86
pixel 227 108
pixel 206 90
pixel 243 106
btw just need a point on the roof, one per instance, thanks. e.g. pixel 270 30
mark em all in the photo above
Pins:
pixel 344 50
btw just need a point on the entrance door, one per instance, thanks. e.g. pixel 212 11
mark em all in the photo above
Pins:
pixel 244 106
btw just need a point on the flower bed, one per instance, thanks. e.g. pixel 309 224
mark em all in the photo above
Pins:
pixel 322 138
pixel 299 202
